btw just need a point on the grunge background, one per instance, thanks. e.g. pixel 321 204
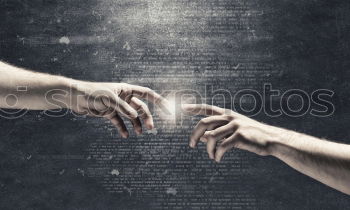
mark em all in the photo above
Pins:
pixel 81 163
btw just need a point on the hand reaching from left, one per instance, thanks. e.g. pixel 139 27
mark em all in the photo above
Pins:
pixel 114 100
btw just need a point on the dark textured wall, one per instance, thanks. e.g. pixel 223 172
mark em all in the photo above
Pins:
pixel 67 162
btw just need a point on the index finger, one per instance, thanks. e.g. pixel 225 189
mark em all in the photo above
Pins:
pixel 151 96
pixel 203 109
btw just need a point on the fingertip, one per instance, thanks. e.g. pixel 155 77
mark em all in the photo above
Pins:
pixel 193 142
pixel 133 115
pixel 187 107
pixel 125 135
pixel 211 155
pixel 149 126
pixel 192 145
pixel 183 106
pixel 218 157
pixel 138 131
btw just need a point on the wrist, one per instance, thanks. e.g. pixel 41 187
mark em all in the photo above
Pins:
pixel 281 141
pixel 71 89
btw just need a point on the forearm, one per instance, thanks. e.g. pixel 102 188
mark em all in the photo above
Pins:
pixel 23 89
pixel 327 162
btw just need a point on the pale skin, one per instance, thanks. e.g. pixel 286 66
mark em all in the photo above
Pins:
pixel 24 89
pixel 325 161
pixel 223 130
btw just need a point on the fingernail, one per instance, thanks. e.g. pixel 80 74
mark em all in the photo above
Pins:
pixel 133 115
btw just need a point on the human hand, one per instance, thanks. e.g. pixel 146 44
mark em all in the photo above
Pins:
pixel 225 129
pixel 114 100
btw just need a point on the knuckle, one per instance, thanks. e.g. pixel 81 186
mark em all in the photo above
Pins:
pixel 228 117
pixel 243 133
pixel 239 133
pixel 209 135
pixel 227 112
pixel 237 121
pixel 205 135
pixel 203 122
pixel 148 90
pixel 233 124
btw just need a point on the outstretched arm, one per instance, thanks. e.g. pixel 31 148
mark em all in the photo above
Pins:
pixel 23 89
pixel 325 161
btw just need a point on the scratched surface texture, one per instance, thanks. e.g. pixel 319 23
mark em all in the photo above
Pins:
pixel 81 163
